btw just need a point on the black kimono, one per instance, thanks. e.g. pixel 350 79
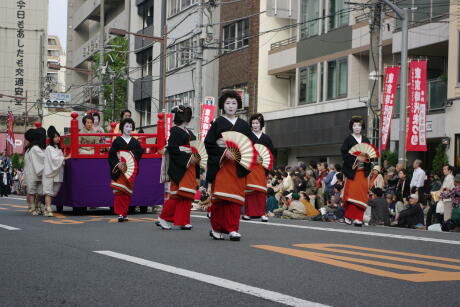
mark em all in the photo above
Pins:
pixel 120 144
pixel 349 160
pixel 178 160
pixel 266 141
pixel 221 124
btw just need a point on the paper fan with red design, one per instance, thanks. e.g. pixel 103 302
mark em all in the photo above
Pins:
pixel 266 155
pixel 364 149
pixel 199 151
pixel 131 164
pixel 241 146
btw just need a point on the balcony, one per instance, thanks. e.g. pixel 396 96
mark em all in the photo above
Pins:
pixel 142 88
pixel 283 43
pixel 282 56
pixel 90 10
pixel 142 43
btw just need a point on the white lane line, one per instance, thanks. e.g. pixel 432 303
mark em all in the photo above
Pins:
pixel 366 233
pixel 9 227
pixel 216 281
pixel 17 198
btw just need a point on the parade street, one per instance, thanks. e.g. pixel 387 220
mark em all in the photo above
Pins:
pixel 92 260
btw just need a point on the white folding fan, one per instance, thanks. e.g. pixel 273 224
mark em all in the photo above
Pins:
pixel 199 151
pixel 242 147
pixel 131 164
pixel 364 149
pixel 266 155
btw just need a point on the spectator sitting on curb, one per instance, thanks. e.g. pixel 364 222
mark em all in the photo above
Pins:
pixel 412 216
pixel 296 209
pixel 380 214
pixel 310 210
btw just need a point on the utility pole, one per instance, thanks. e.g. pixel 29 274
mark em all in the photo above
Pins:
pixel 101 53
pixel 199 61
pixel 402 13
pixel 374 73
pixel 113 97
pixel 163 59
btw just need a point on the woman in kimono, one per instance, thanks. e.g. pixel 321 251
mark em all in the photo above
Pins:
pixel 227 178
pixel 256 181
pixel 88 127
pixel 183 171
pixel 122 186
pixel 53 172
pixel 30 187
pixel 356 170
pixel 37 161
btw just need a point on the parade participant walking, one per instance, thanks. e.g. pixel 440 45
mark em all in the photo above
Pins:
pixel 124 156
pixel 30 186
pixel 37 161
pixel 256 181
pixel 53 172
pixel 356 170
pixel 227 178
pixel 183 172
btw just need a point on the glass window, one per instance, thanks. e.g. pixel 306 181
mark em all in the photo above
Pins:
pixel 182 53
pixel 236 35
pixel 337 78
pixel 185 99
pixel 338 10
pixel 309 18
pixel 148 16
pixel 51 41
pixel 175 6
pixel 308 84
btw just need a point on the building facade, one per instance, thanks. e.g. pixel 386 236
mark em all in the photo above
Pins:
pixel 55 55
pixel 323 72
pixel 23 33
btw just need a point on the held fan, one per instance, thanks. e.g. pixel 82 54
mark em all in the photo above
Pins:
pixel 199 151
pixel 266 155
pixel 131 164
pixel 365 149
pixel 242 147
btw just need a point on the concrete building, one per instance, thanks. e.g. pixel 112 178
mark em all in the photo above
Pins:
pixel 83 40
pixel 181 18
pixel 23 33
pixel 322 71
pixel 55 55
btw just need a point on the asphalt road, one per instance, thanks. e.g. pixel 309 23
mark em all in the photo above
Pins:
pixel 93 261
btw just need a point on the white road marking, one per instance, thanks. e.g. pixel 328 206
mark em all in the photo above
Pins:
pixel 366 233
pixel 216 281
pixel 9 227
pixel 17 198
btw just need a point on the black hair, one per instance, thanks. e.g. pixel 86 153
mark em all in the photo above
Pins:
pixel 30 135
pixel 182 114
pixel 377 191
pixel 449 167
pixel 52 132
pixel 313 164
pixel 324 163
pixel 40 138
pixel 127 121
pixel 338 167
pixel 230 94
pixel 123 113
pixel 270 192
pixel 86 117
pixel 259 117
pixel 305 195
pixel 404 171
pixel 339 176
pixel 356 119
pixel 95 114
pixel 338 187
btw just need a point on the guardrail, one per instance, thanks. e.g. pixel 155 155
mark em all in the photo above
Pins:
pixel 284 42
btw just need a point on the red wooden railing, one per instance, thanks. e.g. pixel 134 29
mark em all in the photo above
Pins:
pixel 70 143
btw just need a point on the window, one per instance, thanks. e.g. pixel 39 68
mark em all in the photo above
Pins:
pixel 337 79
pixel 52 76
pixel 426 10
pixel 308 84
pixel 146 66
pixel 51 41
pixel 175 6
pixel 185 99
pixel 147 17
pixel 53 53
pixel 236 35
pixel 309 18
pixel 338 10
pixel 182 53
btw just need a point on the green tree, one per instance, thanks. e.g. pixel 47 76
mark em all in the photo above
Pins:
pixel 391 157
pixel 16 161
pixel 116 59
pixel 440 158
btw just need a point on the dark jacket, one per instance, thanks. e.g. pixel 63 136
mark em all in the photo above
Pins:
pixel 379 213
pixel 411 216
pixel 402 189
pixel 349 160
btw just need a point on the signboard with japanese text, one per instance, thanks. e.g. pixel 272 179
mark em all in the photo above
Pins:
pixel 168 124
pixel 10 143
pixel 389 93
pixel 20 35
pixel 416 134
pixel 207 115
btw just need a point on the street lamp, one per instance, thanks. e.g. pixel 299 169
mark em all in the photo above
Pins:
pixel 163 40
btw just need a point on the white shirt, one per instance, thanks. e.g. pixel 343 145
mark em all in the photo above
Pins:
pixel 37 159
pixel 448 182
pixel 54 164
pixel 418 178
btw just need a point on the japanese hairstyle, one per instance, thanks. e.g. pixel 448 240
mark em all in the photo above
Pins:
pixel 357 119
pixel 127 121
pixel 259 117
pixel 230 94
pixel 182 114
pixel 52 132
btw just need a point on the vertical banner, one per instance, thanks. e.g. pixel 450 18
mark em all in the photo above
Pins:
pixel 168 124
pixel 10 142
pixel 416 134
pixel 389 93
pixel 207 115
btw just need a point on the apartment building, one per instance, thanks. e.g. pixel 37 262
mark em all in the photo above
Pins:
pixel 83 40
pixel 323 72
pixel 55 55
pixel 185 34
pixel 23 32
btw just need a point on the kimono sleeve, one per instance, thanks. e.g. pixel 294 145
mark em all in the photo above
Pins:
pixel 214 151
pixel 113 158
pixel 55 158
pixel 348 159
pixel 37 159
pixel 177 156
pixel 137 150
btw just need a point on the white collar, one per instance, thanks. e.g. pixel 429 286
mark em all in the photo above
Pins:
pixel 233 120
pixel 259 134
pixel 359 140
pixel 126 139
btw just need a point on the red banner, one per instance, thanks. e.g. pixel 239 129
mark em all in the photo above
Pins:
pixel 168 124
pixel 416 134
pixel 389 93
pixel 10 143
pixel 207 115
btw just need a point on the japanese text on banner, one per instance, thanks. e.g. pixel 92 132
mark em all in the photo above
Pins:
pixel 389 93
pixel 207 115
pixel 416 134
